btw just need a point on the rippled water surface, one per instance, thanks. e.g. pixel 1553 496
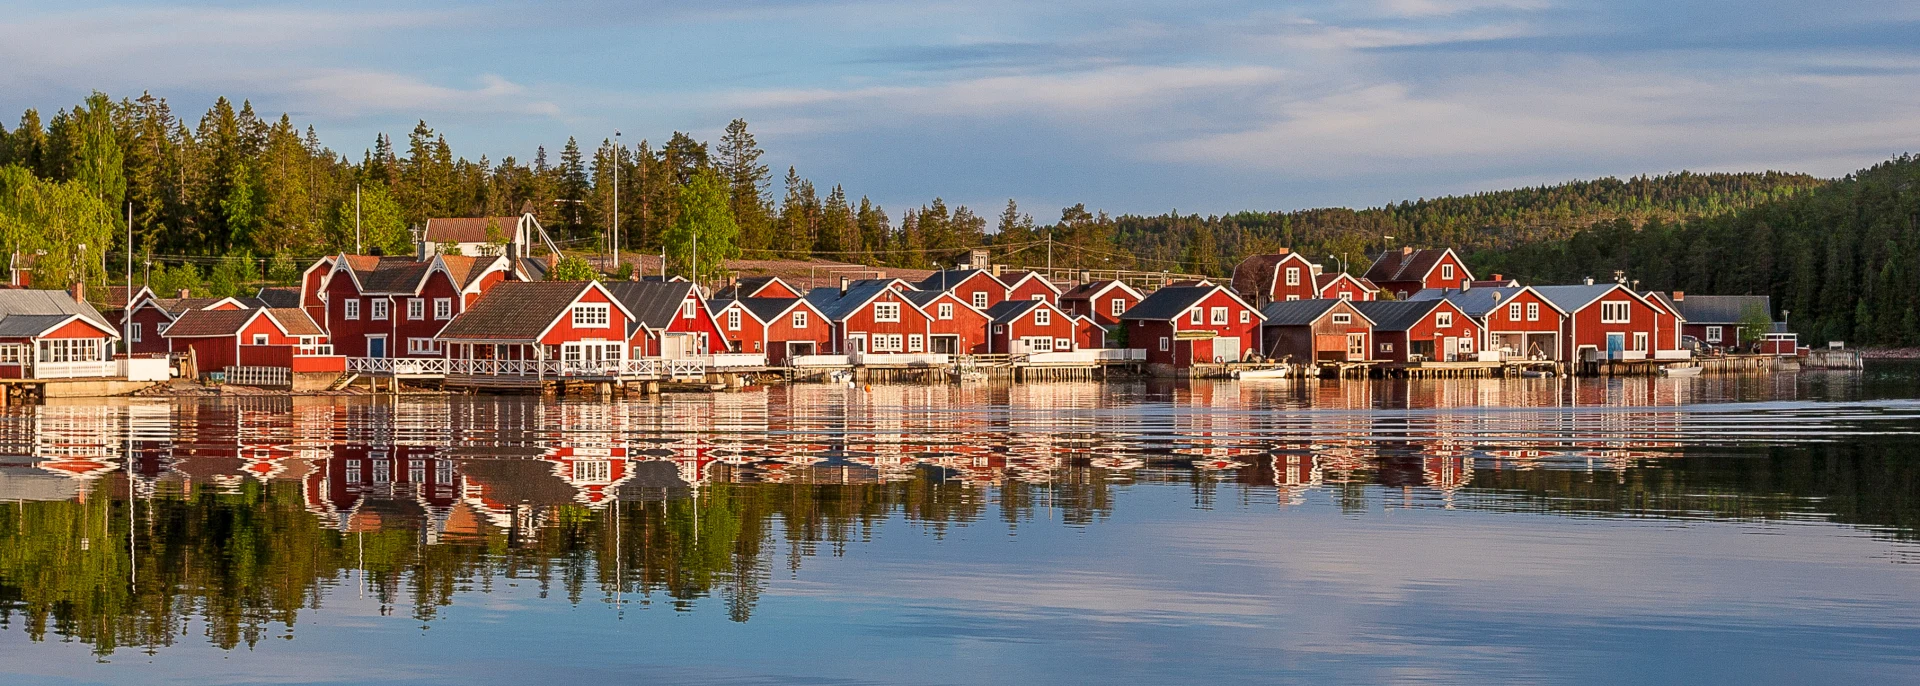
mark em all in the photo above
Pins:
pixel 1724 529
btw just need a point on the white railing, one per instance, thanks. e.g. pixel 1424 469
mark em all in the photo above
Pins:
pixel 820 361
pixel 724 360
pixel 76 370
pixel 684 368
pixel 1121 354
pixel 642 367
pixel 504 367
pixel 910 359
pixel 259 376
pixel 370 365
pixel 419 366
pixel 1065 357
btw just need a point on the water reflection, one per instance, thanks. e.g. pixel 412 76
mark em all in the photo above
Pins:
pixel 141 524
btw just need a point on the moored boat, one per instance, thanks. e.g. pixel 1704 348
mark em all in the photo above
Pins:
pixel 1680 371
pixel 1257 374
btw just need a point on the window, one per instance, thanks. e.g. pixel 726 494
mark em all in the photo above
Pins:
pixel 1118 307
pixel 1342 318
pixel 1293 296
pixel 1533 312
pixel 886 312
pixel 1245 316
pixel 1346 295
pixel 422 346
pixel 800 320
pixel 1443 320
pixel 916 343
pixel 1513 312
pixel 1194 316
pixel 884 342
pixel 443 308
pixel 379 306
pixel 946 310
pixel 416 309
pixel 591 315
pixel 1714 334
pixel 1219 316
pixel 593 471
pixel 687 309
pixel 353 309
pixel 1042 316
pixel 1616 312
pixel 1293 276
pixel 1640 341
pixel 1037 344
pixel 1386 347
pixel 136 332
pixel 733 320
pixel 1165 343
pixel 1062 344
pixel 1446 272
pixel 1038 296
pixel 980 300
pixel 259 339
pixel 1466 345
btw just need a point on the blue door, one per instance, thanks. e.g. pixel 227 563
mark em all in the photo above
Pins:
pixel 376 347
pixel 1616 345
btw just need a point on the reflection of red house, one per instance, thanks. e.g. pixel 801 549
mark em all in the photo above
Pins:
pixel 595 473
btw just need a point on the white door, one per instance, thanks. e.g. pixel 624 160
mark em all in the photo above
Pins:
pixel 1450 348
pixel 1227 348
pixel 675 346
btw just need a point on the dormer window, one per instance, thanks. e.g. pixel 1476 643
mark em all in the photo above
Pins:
pixel 591 315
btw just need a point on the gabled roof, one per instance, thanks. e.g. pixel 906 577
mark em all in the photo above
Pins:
pixel 1661 299
pixel 749 287
pixel 1013 279
pixel 654 304
pixel 838 306
pixel 199 323
pixel 381 274
pixel 1173 301
pixel 1322 281
pixel 1477 302
pixel 1397 315
pixel 279 296
pixel 1575 298
pixel 765 310
pixel 468 229
pixel 29 302
pixel 463 270
pixel 1093 289
pixel 1302 312
pixel 1010 310
pixel 948 278
pixel 516 311
pixel 295 321
pixel 1409 265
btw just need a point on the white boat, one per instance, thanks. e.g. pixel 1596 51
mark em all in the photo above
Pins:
pixel 1681 372
pixel 1256 374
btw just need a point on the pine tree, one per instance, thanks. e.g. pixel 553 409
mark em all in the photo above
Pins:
pixel 738 160
pixel 572 186
pixel 837 236
pixel 875 231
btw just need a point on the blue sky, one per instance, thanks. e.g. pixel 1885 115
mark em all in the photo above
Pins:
pixel 1205 106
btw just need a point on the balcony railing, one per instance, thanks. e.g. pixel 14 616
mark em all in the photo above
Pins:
pixel 91 369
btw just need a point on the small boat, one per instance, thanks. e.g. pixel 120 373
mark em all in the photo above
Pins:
pixel 1535 374
pixel 1681 372
pixel 1257 374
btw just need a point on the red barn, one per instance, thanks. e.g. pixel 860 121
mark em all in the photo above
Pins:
pixel 1613 322
pixel 1031 326
pixel 1318 330
pixel 259 337
pixel 673 319
pixel 1276 277
pixel 1027 285
pixel 1180 326
pixel 1517 321
pixel 873 315
pixel 1407 271
pixel 975 287
pixel 1421 331
pixel 776 327
pixel 579 323
pixel 1345 286
pixel 954 326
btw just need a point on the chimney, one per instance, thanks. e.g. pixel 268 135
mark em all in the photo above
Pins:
pixel 78 291
pixel 186 293
pixel 1496 277
pixel 1406 250
pixel 1636 285
pixel 1284 251
pixel 997 269
pixel 1679 296
pixel 843 285
pixel 1465 285
pixel 1589 280
pixel 1086 276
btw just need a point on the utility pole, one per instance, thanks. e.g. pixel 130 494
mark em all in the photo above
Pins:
pixel 616 200
pixel 357 249
pixel 1049 251
pixel 126 313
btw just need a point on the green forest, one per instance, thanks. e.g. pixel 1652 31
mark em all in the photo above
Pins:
pixel 231 198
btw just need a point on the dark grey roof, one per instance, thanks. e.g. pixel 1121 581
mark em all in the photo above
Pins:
pixel 1396 315
pixel 948 278
pixel 1297 312
pixel 764 309
pixel 30 325
pixel 14 303
pixel 1167 303
pixel 1403 265
pixel 279 296
pixel 837 306
pixel 1476 302
pixel 653 303
pixel 1572 298
pixel 514 311
pixel 1009 310
pixel 745 287
pixel 1721 309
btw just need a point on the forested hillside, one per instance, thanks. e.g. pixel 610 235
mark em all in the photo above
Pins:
pixel 230 198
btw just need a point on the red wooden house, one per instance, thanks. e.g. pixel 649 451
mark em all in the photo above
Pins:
pixel 46 333
pixel 263 337
pixel 313 288
pixel 772 287
pixel 1028 285
pixel 1517 321
pixel 1345 286
pixel 873 316
pixel 396 306
pixel 1720 321
pixel 672 320
pixel 150 316
pixel 975 287
pixel 1032 326
pixel 954 326
pixel 579 323
pixel 776 327
pixel 1102 301
pixel 1089 334
pixel 1318 330
pixel 1421 331
pixel 1280 276
pixel 1180 326
pixel 1610 321
pixel 1407 271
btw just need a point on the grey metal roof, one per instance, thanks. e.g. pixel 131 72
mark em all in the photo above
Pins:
pixel 764 309
pixel 948 278
pixel 279 296
pixel 653 303
pixel 29 325
pixel 1298 312
pixel 1721 309
pixel 1167 303
pixel 1396 315
pixel 514 311
pixel 1476 302
pixel 1572 298
pixel 837 306
pixel 15 303
pixel 1009 310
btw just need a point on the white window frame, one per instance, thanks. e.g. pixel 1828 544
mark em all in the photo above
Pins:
pixel 442 308
pixel 886 312
pixel 1117 306
pixel 1042 316
pixel 261 339
pixel 1446 272
pixel 1246 316
pixel 592 315
pixel 1466 345
pixel 1165 344
pixel 1716 334
pixel 800 319
pixel 422 346
pixel 1346 295
pixel 350 309
pixel 1616 312
pixel 136 332
pixel 1218 316
pixel 687 309
pixel 1342 318
pixel 416 309
pixel 1063 344
pixel 1533 312
pixel 1293 276
pixel 1037 344
pixel 733 319
pixel 1443 320
pixel 1194 316
pixel 1386 347
pixel 1639 341
pixel 1038 296
pixel 946 310
pixel 916 343
pixel 980 300
pixel 1513 312
pixel 888 343
pixel 379 309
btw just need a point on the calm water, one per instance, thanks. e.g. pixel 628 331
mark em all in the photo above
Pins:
pixel 1747 530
